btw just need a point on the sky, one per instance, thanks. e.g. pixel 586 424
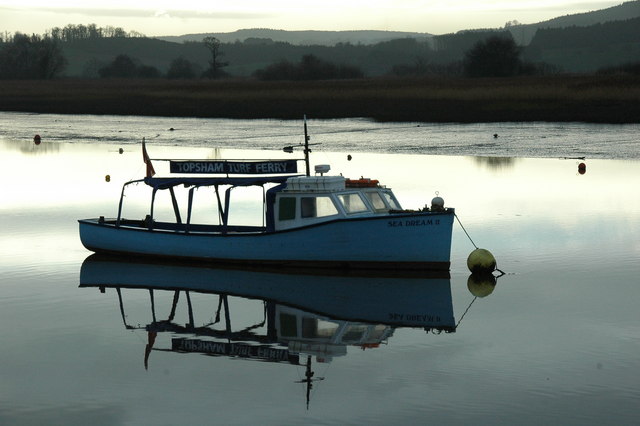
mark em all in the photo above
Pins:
pixel 163 18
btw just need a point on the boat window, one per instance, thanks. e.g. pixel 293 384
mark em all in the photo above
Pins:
pixel 376 201
pixel 378 332
pixel 354 333
pixel 314 328
pixel 352 203
pixel 317 207
pixel 287 209
pixel 288 325
pixel 391 201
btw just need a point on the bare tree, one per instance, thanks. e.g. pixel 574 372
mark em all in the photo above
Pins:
pixel 51 61
pixel 215 65
pixel 30 57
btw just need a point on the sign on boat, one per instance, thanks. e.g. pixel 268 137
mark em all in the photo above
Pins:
pixel 233 167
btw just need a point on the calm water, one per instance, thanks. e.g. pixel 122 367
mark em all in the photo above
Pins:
pixel 555 341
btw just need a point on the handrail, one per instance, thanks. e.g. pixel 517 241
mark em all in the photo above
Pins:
pixel 122 198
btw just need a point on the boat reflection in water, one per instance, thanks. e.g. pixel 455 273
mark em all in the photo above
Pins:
pixel 301 315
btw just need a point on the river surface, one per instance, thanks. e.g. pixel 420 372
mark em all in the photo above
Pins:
pixel 90 340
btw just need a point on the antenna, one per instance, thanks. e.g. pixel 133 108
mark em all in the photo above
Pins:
pixel 309 379
pixel 306 144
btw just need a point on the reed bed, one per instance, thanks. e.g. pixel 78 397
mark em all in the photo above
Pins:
pixel 598 99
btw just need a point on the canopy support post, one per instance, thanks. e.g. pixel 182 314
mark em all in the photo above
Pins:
pixel 174 201
pixel 153 201
pixel 220 209
pixel 189 208
pixel 225 213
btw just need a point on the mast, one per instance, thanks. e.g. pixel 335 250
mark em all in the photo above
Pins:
pixel 306 147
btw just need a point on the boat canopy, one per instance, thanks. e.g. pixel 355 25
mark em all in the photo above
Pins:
pixel 170 182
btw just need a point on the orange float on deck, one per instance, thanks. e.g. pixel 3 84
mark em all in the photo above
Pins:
pixel 361 183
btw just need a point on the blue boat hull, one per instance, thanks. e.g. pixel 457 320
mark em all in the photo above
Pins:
pixel 420 240
pixel 395 299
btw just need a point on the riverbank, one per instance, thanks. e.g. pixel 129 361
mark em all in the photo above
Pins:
pixel 592 99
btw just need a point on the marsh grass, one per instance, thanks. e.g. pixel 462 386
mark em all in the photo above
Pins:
pixel 604 99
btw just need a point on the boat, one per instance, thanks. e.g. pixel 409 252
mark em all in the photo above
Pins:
pixel 286 317
pixel 308 220
pixel 304 314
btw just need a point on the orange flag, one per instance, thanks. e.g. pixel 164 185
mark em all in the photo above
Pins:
pixel 145 157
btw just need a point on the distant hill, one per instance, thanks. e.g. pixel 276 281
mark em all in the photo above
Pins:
pixel 322 38
pixel 587 48
pixel 575 43
pixel 523 34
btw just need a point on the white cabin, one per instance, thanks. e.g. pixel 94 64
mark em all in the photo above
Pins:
pixel 324 337
pixel 307 200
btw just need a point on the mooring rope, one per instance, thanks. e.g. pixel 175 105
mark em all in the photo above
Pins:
pixel 465 312
pixel 465 231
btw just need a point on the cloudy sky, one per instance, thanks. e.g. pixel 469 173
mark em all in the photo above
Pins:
pixel 163 17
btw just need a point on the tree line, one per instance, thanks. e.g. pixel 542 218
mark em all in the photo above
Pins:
pixel 483 53
pixel 40 57
pixel 82 32
pixel 495 56
pixel 30 57
pixel 309 68
pixel 36 56
pixel 73 32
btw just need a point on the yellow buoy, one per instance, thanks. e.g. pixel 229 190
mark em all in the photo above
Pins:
pixel 481 261
pixel 481 285
pixel 107 178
